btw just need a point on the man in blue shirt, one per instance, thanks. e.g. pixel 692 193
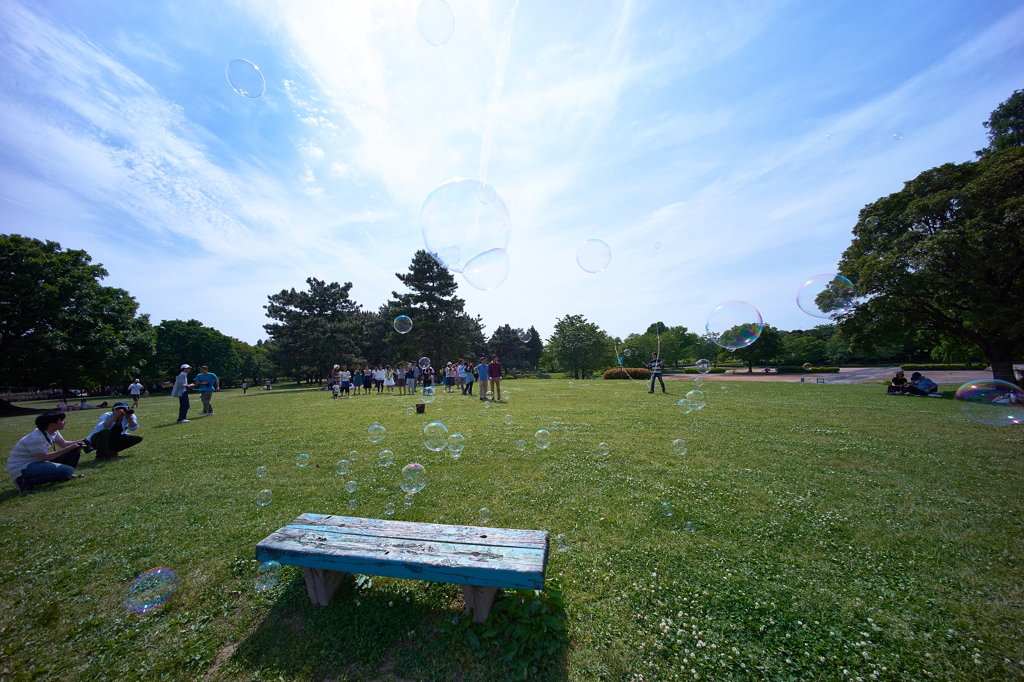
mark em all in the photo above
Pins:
pixel 110 437
pixel 206 382
pixel 481 371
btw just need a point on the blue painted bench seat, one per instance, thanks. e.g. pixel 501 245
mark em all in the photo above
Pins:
pixel 328 548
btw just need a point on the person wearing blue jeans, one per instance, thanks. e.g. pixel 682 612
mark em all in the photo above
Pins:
pixel 33 462
pixel 180 391
pixel 656 366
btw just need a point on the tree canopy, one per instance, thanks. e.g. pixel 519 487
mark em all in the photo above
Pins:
pixel 1005 125
pixel 579 347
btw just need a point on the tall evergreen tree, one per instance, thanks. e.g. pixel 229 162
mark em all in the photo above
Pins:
pixel 514 354
pixel 536 347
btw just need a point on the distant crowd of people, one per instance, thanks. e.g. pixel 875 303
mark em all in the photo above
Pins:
pixel 458 375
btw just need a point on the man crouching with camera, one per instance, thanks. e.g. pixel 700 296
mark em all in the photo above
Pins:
pixel 109 437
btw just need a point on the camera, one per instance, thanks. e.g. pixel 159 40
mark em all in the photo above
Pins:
pixel 128 411
pixel 87 447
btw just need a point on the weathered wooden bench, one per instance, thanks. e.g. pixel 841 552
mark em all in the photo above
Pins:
pixel 330 548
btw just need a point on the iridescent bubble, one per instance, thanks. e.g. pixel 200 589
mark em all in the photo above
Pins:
pixel 696 399
pixel 485 516
pixel 469 433
pixel 353 455
pixel 352 504
pixel 150 590
pixel 734 325
pixel 666 509
pixel 627 353
pixel 386 458
pixel 897 136
pixel 807 365
pixel 524 335
pixel 688 527
pixel 457 227
pixel 424 362
pixel 435 21
pixel 410 411
pixel 245 78
pixel 267 576
pixel 593 255
pixel 505 395
pixel 508 419
pixel 427 394
pixel 456 444
pixel 684 406
pixel 542 439
pixel 488 270
pixel 827 296
pixel 435 436
pixel 302 460
pixel 871 221
pixel 403 324
pixel 389 509
pixel 489 395
pixel 351 486
pixel 991 401
pixel 376 433
pixel 679 446
pixel 521 445
pixel 261 472
pixel 698 381
pixel 562 542
pixel 414 479
pixel 702 366
pixel 409 498
pixel 603 449
pixel 342 467
pixel 571 384
pixel 264 497
pixel 487 194
pixel 639 426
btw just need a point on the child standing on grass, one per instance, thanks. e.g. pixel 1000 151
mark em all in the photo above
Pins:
pixel 389 379
pixel 357 379
pixel 400 377
pixel 367 378
pixel 346 378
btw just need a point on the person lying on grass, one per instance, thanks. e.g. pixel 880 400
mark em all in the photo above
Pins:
pixel 32 461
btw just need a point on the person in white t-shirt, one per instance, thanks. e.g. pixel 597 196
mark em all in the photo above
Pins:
pixel 32 461
pixel 135 390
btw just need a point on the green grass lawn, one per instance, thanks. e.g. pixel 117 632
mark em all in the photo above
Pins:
pixel 839 534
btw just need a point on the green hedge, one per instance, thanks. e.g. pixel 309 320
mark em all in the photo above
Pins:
pixel 634 372
pixel 795 369
pixel 967 365
pixel 693 370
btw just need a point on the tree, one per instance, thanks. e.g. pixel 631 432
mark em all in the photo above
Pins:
pixel 190 342
pixel 535 346
pixel 1005 125
pixel 579 347
pixel 58 325
pixel 945 259
pixel 767 347
pixel 513 353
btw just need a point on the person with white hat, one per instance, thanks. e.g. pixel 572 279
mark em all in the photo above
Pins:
pixel 180 391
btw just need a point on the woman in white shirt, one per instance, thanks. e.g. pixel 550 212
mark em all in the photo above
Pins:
pixel 389 379
pixel 32 462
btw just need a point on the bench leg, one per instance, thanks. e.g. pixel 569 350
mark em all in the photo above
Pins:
pixel 480 599
pixel 322 584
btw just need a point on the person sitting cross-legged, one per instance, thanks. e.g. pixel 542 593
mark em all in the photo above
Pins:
pixel 109 437
pixel 898 384
pixel 32 461
pixel 921 385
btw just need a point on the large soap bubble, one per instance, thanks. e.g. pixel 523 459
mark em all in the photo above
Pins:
pixel 403 324
pixel 457 226
pixel 487 270
pixel 435 21
pixel 435 436
pixel 267 575
pixel 734 325
pixel 990 401
pixel 456 443
pixel 542 439
pixel 696 399
pixel 703 367
pixel 427 394
pixel 376 433
pixel 594 255
pixel 245 78
pixel 151 590
pixel 826 296
pixel 523 335
pixel 414 479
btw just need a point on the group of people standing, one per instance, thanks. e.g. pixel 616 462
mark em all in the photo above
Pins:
pixel 406 376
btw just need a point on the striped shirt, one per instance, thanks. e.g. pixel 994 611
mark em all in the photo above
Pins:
pixel 656 365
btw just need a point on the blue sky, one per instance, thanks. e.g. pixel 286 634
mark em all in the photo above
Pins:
pixel 743 137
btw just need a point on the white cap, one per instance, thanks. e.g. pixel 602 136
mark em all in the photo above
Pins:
pixel 185 367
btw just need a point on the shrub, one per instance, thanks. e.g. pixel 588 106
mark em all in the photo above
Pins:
pixel 713 370
pixel 796 369
pixel 967 365
pixel 621 373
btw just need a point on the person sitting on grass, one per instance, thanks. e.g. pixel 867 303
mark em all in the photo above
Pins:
pixel 898 384
pixel 921 385
pixel 32 462
pixel 109 437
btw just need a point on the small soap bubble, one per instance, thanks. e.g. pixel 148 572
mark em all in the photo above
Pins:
pixel 688 527
pixel 389 509
pixel 723 387
pixel 487 405
pixel 342 467
pixel 245 78
pixel 666 509
pixel 302 460
pixel 424 362
pixel 376 433
pixel 521 445
pixel 414 479
pixel 562 542
pixel 679 446
pixel 264 497
pixel 570 384
pixel 410 411
pixel 435 21
pixel 469 433
pixel 486 194
pixel 409 499
pixel 593 256
pixel 485 516
pixel 828 296
pixel 261 472
pixel 386 458
pixel 151 590
pixel 871 221
pixel 352 504
pixel 991 401
pixel 808 365
pixel 684 406
pixel 703 367
pixel 657 245
pixel 734 325
pixel 435 436
pixel 542 439
pixel 267 576
pixel 403 324
pixel 603 449
pixel 489 395
pixel 351 486
pixel 524 335
pixel 508 419
pixel 639 426
pixel 505 395
pixel 897 136
pixel 427 394
pixel 353 455
pixel 696 399
pixel 456 443
pixel 627 353
pixel 698 382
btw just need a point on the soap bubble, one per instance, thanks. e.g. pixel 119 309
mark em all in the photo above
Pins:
pixel 487 194
pixel 639 426
pixel 389 508
pixel 435 21
pixel 435 436
pixel 524 335
pixel 150 590
pixel 456 444
pixel 403 324
pixel 488 270
pixel 698 382
pixel 723 387
pixel 267 575
pixel 734 324
pixel 410 411
pixel 352 504
pixel 826 296
pixel 696 399
pixel 508 419
pixel 485 516
pixel 627 353
pixel 666 509
pixel 703 366
pixel 264 497
pixel 457 227
pixel 342 467
pixel 603 449
pixel 469 433
pixel 570 384
pixel 386 458
pixel 427 394
pixel 261 472
pixel 897 136
pixel 542 439
pixel 414 479
pixel 657 245
pixel 424 362
pixel 505 395
pixel 351 486
pixel 679 446
pixel 302 460
pixel 991 401
pixel 409 498
pixel 353 455
pixel 872 221
pixel 376 433
pixel 808 365
pixel 245 78
pixel 562 542
pixel 688 527
pixel 489 395
pixel 684 406
pixel 593 255
pixel 521 445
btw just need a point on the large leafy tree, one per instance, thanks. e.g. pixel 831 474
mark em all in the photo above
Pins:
pixel 178 342
pixel 767 347
pixel 945 257
pixel 579 347
pixel 58 325
pixel 1005 125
